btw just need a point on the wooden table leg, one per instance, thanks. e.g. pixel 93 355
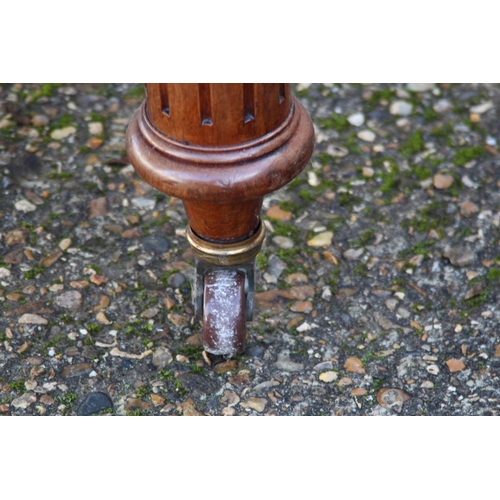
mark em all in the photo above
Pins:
pixel 221 148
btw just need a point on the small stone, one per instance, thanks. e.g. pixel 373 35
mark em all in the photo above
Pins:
pixel 98 207
pixel 467 208
pixel 427 384
pixel 32 319
pixel 79 284
pixel 14 296
pixel 356 119
pixel 144 203
pixel 56 288
pixel 328 376
pixel 353 254
pixel 178 319
pixel 65 244
pixel 39 120
pixel 155 244
pixel 321 240
pixel 46 400
pixel 481 108
pixel 359 391
pixel 442 181
pixel 254 352
pixel 345 381
pixel 135 404
pixel 304 327
pixel 16 237
pixel 354 365
pixel 129 234
pixel 176 280
pixel 95 403
pixel 101 318
pixel 302 307
pixel 433 369
pixel 229 398
pixel 51 259
pixel 69 300
pixel 76 370
pixel 459 256
pixel 367 135
pixel 324 366
pixel 226 366
pixel 442 106
pixel 420 87
pixel 62 133
pixel 189 409
pixel 401 108
pixel 4 273
pixel 24 401
pixel 161 357
pixel 336 151
pixel 296 278
pixel 157 400
pixel 257 404
pixel 368 172
pixel 284 242
pixel 150 313
pixel 276 213
pixel 228 411
pixel 24 206
pixel 284 363
pixel 497 351
pixel 95 128
pixel 455 365
pixel 391 398
pixel 98 279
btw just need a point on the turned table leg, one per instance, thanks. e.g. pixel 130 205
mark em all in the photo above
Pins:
pixel 221 148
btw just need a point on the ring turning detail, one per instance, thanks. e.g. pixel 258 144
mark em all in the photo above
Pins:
pixel 221 148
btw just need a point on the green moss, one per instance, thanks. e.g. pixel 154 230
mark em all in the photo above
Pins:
pixel 18 385
pixel 34 272
pixel 136 92
pixel 421 248
pixel 365 238
pixel 143 391
pixel 430 114
pixel 466 155
pixel 261 261
pixel 414 144
pixel 379 95
pixel 306 195
pixel 336 122
pixel 433 216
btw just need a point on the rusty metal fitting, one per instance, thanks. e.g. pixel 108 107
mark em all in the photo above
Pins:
pixel 230 254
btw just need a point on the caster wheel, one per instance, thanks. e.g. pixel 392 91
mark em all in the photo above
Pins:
pixel 224 328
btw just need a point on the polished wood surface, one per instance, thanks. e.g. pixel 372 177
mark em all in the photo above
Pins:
pixel 220 148
pixel 217 114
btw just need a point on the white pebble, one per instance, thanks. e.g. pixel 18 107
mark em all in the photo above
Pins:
pixel 367 135
pixel 24 206
pixel 356 119
pixel 401 108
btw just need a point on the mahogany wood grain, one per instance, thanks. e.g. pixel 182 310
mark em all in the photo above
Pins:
pixel 220 148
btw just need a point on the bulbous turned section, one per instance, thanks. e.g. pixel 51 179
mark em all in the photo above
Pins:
pixel 220 148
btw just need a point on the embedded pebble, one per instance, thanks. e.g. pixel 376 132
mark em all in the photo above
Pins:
pixel 459 256
pixel 468 208
pixel 62 133
pixel 32 319
pixel 353 254
pixel 442 106
pixel 24 206
pixel 433 369
pixel 321 240
pixel 155 244
pixel 367 135
pixel 69 300
pixel 328 376
pixel 401 108
pixel 356 119
pixel 420 87
pixel 95 403
pixel 481 108
pixel 392 398
pixel 161 357
pixel 257 404
pixel 95 128
pixel 276 213
pixel 22 402
pixel 284 242
pixel 442 181
pixel 65 244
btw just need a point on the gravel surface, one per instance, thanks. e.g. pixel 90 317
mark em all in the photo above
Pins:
pixel 378 284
